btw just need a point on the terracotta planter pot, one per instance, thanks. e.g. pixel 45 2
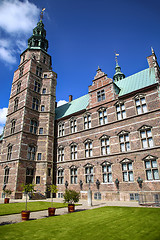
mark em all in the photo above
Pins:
pixel 6 200
pixel 51 211
pixel 71 208
pixel 25 215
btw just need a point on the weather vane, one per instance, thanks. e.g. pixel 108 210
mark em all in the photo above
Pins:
pixel 41 16
pixel 116 55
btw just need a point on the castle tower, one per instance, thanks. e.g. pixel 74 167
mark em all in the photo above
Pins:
pixel 27 147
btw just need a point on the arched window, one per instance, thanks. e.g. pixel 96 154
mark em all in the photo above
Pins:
pixel 16 104
pixel 102 116
pixel 73 151
pixel 61 154
pixel 88 148
pixel 151 168
pixel 120 110
pixel 87 121
pixel 9 153
pixel 61 129
pixel 146 136
pixel 18 87
pixel 89 173
pixel 60 175
pixel 13 123
pixel 73 174
pixel 124 141
pixel 140 102
pixel 127 170
pixel 105 147
pixel 73 125
pixel 107 172
pixel 6 174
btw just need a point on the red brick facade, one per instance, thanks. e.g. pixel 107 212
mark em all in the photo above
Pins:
pixel 116 138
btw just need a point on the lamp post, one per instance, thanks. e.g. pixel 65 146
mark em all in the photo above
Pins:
pixel 89 192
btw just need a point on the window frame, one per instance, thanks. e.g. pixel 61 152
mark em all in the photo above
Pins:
pixel 33 126
pixel 9 151
pixel 102 119
pixel 87 121
pixel 73 125
pixel 73 151
pixel 89 171
pixel 16 101
pixel 60 154
pixel 141 105
pixel 73 175
pixel 107 175
pixel 152 169
pixel 60 176
pixel 125 142
pixel 106 146
pixel 18 87
pixel 35 103
pixel 13 126
pixel 121 112
pixel 149 139
pixel 61 129
pixel 37 86
pixel 100 95
pixel 88 148
pixel 31 152
pixel 127 173
pixel 6 175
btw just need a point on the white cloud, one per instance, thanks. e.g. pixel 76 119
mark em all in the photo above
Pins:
pixel 17 16
pixel 1 129
pixel 17 20
pixel 3 113
pixel 7 55
pixel 61 102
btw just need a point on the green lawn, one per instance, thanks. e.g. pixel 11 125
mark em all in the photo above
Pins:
pixel 12 208
pixel 109 223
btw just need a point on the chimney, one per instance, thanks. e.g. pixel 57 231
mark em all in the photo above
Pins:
pixel 70 98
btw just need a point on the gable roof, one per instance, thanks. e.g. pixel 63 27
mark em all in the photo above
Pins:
pixel 122 87
pixel 72 107
pixel 136 81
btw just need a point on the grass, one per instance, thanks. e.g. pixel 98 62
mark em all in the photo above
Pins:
pixel 13 208
pixel 111 223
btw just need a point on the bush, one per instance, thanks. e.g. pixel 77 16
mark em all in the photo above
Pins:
pixel 7 192
pixel 71 196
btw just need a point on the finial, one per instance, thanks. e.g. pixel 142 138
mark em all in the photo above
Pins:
pixel 99 69
pixel 152 50
pixel 41 15
pixel 116 55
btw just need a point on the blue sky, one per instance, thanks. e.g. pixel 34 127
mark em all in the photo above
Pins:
pixel 82 35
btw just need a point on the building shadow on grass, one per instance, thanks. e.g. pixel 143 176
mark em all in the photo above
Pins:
pixel 6 223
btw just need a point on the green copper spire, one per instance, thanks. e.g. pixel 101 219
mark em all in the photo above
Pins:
pixel 38 39
pixel 118 74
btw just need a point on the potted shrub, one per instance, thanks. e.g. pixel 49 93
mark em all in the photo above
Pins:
pixel 71 197
pixel 27 189
pixel 7 193
pixel 53 189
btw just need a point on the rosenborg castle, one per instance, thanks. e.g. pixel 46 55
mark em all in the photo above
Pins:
pixel 108 139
